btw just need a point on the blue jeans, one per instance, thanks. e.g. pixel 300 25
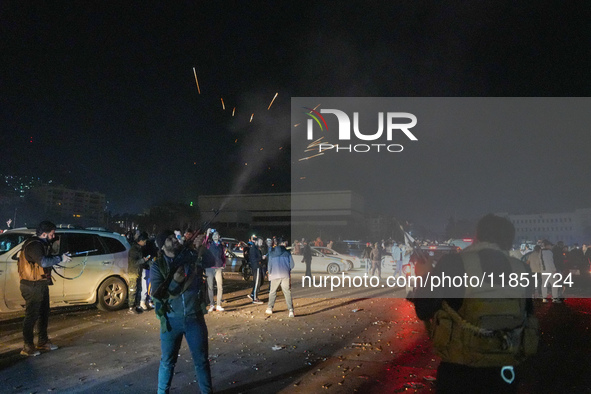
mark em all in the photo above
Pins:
pixel 145 284
pixel 195 332
pixel 398 268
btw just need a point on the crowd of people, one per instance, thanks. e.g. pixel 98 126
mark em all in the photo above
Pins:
pixel 549 259
pixel 180 282
pixel 178 275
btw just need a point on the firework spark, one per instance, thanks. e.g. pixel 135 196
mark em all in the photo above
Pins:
pixel 315 142
pixel 223 105
pixel 196 81
pixel 251 116
pixel 234 110
pixel 309 157
pixel 274 97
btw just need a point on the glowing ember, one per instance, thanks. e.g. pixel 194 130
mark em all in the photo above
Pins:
pixel 196 81
pixel 274 97
pixel 309 157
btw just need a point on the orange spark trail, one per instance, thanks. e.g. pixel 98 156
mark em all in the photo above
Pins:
pixel 274 97
pixel 251 118
pixel 196 81
pixel 223 106
pixel 309 157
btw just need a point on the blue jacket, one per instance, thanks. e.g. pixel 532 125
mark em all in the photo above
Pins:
pixel 280 263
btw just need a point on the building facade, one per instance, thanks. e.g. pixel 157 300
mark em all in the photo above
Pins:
pixel 329 215
pixel 69 206
pixel 569 227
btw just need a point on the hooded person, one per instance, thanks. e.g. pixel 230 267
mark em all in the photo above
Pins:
pixel 178 292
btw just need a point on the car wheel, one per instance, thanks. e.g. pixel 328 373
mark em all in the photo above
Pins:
pixel 350 265
pixel 333 268
pixel 112 294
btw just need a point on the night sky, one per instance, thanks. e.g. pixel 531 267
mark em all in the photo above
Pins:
pixel 106 93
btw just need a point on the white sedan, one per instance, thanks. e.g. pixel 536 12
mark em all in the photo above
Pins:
pixel 351 261
pixel 321 263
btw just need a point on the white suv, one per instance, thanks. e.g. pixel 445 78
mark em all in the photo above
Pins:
pixel 96 274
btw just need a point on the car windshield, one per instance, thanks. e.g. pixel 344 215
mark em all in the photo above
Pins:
pixel 10 240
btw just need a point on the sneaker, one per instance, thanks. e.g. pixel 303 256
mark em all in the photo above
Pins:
pixel 544 300
pixel 134 311
pixel 257 301
pixel 269 311
pixel 250 297
pixel 211 308
pixel 219 308
pixel 151 305
pixel 144 306
pixel 556 300
pixel 291 313
pixel 47 346
pixel 29 350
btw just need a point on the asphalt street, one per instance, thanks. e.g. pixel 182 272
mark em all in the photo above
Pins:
pixel 339 345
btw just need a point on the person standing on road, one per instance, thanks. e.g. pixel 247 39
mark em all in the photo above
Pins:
pixel 548 271
pixel 256 265
pixel 480 332
pixel 376 260
pixel 34 270
pixel 149 252
pixel 214 271
pixel 535 264
pixel 280 266
pixel 265 250
pixel 397 254
pixel 307 258
pixel 135 262
pixel 180 306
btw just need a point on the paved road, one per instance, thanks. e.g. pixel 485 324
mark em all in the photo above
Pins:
pixel 338 345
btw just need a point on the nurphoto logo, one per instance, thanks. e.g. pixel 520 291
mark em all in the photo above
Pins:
pixel 392 128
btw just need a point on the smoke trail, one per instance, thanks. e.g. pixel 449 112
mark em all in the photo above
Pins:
pixel 263 140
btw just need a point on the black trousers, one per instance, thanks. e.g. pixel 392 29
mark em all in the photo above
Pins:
pixel 36 295
pixel 257 280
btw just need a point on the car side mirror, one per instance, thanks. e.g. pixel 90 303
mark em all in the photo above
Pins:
pixel 15 256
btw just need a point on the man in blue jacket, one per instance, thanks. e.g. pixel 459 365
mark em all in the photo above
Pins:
pixel 280 266
pixel 178 292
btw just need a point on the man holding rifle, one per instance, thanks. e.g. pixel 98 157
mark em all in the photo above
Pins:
pixel 178 290
pixel 34 270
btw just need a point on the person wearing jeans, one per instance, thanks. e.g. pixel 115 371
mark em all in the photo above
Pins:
pixel 177 291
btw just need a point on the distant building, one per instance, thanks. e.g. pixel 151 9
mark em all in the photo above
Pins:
pixel 570 227
pixel 68 206
pixel 334 215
